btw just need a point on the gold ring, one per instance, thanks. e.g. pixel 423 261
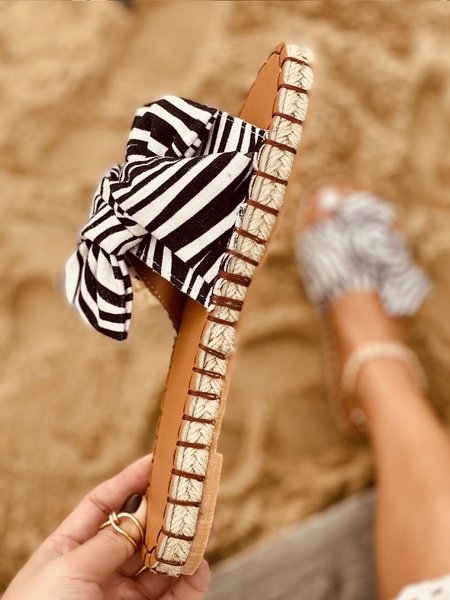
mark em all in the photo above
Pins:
pixel 114 522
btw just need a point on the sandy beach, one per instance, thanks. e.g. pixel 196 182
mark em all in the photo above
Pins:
pixel 75 407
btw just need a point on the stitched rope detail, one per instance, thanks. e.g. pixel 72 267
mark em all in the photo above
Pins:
pixel 177 536
pixel 173 563
pixel 213 352
pixel 235 278
pixel 183 444
pixel 221 321
pixel 177 502
pixel 271 177
pixel 212 374
pixel 206 395
pixel 264 207
pixel 188 475
pixel 294 88
pixel 246 259
pixel 275 144
pixel 251 236
pixel 198 420
pixel 295 60
pixel 289 118
pixel 232 303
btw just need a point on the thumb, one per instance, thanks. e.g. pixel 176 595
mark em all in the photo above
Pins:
pixel 107 550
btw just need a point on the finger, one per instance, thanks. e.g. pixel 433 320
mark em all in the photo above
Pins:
pixel 85 520
pixel 153 585
pixel 187 587
pixel 191 587
pixel 100 556
pixel 132 566
pixel 212 536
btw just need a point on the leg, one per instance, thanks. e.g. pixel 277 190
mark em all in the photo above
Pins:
pixel 412 453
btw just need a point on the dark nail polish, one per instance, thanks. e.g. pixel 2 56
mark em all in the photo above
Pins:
pixel 132 503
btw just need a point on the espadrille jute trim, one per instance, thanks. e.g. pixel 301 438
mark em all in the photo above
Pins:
pixel 246 248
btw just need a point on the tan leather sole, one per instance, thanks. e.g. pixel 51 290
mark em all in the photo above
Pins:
pixel 186 468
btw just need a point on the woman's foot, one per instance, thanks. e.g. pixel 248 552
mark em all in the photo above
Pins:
pixel 345 253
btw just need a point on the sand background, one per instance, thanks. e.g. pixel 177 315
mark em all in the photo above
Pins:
pixel 76 407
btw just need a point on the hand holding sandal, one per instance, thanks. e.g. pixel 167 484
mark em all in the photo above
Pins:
pixel 191 212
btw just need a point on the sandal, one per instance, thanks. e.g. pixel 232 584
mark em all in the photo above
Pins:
pixel 190 214
pixel 355 246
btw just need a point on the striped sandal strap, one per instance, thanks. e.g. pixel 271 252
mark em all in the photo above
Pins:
pixel 172 205
pixel 358 248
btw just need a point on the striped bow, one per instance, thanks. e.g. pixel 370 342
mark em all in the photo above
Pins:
pixel 359 248
pixel 173 204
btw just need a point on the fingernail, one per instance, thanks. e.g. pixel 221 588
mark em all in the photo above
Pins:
pixel 132 503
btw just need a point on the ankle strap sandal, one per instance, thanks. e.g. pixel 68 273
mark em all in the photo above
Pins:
pixel 356 247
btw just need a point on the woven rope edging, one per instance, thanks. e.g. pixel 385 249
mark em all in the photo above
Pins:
pixel 246 248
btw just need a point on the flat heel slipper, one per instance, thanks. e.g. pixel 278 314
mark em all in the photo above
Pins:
pixel 191 212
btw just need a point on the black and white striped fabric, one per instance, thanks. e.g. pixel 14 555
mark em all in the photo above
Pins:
pixel 173 204
pixel 438 589
pixel 358 248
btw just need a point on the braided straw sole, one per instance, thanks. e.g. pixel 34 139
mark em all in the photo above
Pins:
pixel 202 411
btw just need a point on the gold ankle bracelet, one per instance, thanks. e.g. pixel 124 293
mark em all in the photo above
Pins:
pixel 374 350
